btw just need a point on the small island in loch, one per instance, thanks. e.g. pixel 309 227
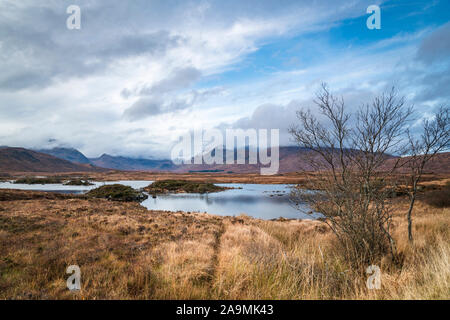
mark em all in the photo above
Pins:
pixel 183 186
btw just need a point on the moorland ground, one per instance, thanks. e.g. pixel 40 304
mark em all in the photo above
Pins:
pixel 115 175
pixel 128 252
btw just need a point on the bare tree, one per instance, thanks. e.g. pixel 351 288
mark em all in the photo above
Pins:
pixel 435 138
pixel 346 164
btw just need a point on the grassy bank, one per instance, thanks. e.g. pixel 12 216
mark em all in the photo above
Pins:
pixel 125 251
pixel 182 186
pixel 33 180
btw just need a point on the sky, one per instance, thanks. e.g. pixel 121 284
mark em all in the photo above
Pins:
pixel 139 74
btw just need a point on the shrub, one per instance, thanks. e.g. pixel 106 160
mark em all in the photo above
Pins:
pixel 78 182
pixel 439 198
pixel 32 180
pixel 117 192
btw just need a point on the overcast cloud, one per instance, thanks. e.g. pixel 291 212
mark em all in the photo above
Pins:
pixel 141 73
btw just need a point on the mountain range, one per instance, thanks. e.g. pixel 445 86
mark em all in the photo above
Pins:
pixel 72 160
pixel 124 163
pixel 110 162
pixel 288 162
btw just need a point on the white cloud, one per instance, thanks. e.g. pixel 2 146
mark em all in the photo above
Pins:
pixel 148 63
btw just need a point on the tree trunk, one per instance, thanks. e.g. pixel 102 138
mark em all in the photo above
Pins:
pixel 411 205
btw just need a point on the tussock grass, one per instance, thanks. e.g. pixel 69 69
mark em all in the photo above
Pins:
pixel 299 260
pixel 33 180
pixel 127 252
pixel 439 198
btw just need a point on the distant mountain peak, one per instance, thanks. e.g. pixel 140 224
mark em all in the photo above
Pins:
pixel 128 163
pixel 69 154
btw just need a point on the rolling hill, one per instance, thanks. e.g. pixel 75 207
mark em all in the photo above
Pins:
pixel 294 159
pixel 24 160
pixel 289 161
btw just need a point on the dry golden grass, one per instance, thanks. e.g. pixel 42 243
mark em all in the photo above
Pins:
pixel 123 250
pixel 127 252
pixel 299 260
pixel 220 177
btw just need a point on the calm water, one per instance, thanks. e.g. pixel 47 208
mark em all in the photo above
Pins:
pixel 264 201
pixel 136 184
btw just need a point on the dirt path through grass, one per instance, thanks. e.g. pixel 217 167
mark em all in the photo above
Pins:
pixel 212 270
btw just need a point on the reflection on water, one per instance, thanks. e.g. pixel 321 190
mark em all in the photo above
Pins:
pixel 264 201
pixel 136 184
